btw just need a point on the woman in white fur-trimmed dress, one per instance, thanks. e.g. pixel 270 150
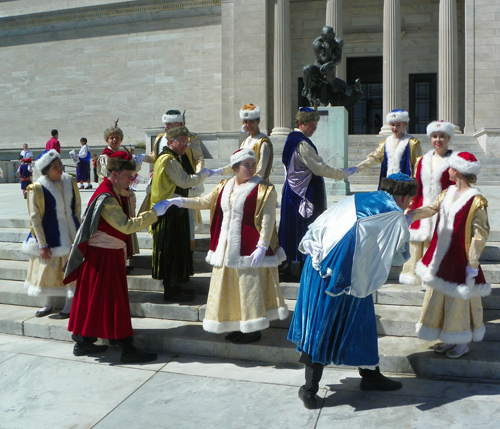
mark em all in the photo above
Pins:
pixel 54 207
pixel 244 293
pixel 431 173
pixel 452 310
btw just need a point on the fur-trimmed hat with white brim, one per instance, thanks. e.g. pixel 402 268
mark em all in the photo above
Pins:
pixel 46 158
pixel 172 116
pixel 250 111
pixel 465 163
pixel 242 155
pixel 397 115
pixel 441 126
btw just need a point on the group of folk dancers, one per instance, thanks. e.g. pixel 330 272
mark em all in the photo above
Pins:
pixel 425 216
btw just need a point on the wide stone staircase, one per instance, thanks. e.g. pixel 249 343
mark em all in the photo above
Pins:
pixel 177 328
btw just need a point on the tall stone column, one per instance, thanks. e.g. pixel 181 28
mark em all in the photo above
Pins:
pixel 282 67
pixel 448 62
pixel 334 20
pixel 392 59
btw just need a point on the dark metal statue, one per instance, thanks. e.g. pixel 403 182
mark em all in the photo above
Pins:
pixel 321 86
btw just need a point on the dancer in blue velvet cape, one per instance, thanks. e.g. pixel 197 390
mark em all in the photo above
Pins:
pixel 350 249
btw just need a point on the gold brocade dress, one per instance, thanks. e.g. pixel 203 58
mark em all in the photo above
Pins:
pixel 242 299
pixel 45 276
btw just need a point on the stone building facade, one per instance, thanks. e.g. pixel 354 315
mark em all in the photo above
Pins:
pixel 79 65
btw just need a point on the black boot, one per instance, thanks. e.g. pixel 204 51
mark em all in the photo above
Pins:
pixel 285 273
pixel 85 346
pixel 372 379
pixel 313 373
pixel 131 354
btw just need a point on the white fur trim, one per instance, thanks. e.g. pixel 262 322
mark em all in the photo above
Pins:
pixel 397 117
pixel 33 290
pixel 478 334
pixel 447 213
pixel 427 334
pixel 394 155
pixel 463 166
pixel 67 228
pixel 242 155
pixel 431 184
pixel 46 159
pixel 250 114
pixel 228 251
pixel 441 126
pixel 408 279
pixel 246 326
pixel 168 119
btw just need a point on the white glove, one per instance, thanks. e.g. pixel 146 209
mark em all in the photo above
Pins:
pixel 207 172
pixel 161 207
pixel 470 273
pixel 218 171
pixel 140 158
pixel 409 219
pixel 311 247
pixel 350 171
pixel 257 257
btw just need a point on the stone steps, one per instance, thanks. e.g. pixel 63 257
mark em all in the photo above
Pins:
pixel 397 354
pixel 177 327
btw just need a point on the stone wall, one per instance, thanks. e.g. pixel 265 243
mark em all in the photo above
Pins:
pixel 482 64
pixel 80 71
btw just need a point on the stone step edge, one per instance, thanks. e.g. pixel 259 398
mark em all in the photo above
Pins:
pixel 398 355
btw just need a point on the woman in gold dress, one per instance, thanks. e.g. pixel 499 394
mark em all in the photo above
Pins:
pixel 244 293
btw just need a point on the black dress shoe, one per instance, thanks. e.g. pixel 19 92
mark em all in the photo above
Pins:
pixel 247 338
pixel 308 398
pixel 88 349
pixel 138 356
pixel 43 313
pixel 232 335
pixel 61 315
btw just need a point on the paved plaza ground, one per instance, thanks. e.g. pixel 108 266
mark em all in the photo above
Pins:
pixel 42 385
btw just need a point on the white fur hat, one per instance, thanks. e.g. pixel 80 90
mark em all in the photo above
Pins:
pixel 250 111
pixel 465 163
pixel 441 126
pixel 397 115
pixel 172 116
pixel 242 155
pixel 46 158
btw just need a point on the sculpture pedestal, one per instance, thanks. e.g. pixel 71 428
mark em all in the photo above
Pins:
pixel 331 140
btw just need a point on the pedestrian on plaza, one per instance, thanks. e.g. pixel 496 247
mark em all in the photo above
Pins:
pixel 25 153
pixel 452 310
pixel 97 264
pixel 25 174
pixel 244 293
pixel 172 242
pixel 83 165
pixel 54 208
pixel 432 175
pixel 256 140
pixel 350 249
pixel 398 152
pixel 304 194
pixel 53 142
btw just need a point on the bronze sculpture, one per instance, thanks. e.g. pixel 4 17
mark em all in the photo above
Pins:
pixel 321 86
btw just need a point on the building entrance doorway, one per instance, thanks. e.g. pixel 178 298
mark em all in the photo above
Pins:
pixel 423 102
pixel 366 117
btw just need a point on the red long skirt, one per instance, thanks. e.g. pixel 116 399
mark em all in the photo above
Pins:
pixel 101 307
